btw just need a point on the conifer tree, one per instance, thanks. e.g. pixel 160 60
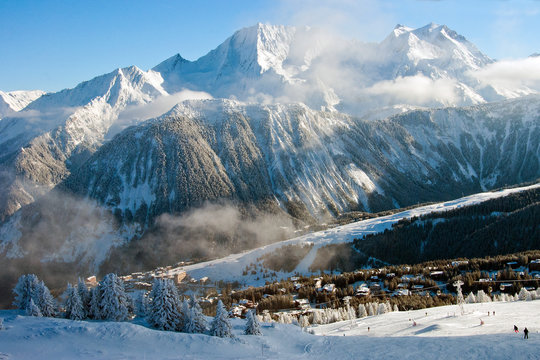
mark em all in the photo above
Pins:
pixel 524 295
pixel 303 322
pixel 84 294
pixel 471 299
pixel 32 309
pixel 46 303
pixel 362 312
pixel 220 325
pixel 114 301
pixel 186 312
pixel 195 323
pixel 141 304
pixel 95 299
pixel 164 313
pixel 253 327
pixel 73 304
pixel 2 327
pixel 317 317
pixel 25 290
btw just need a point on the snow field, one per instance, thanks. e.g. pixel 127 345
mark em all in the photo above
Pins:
pixel 439 335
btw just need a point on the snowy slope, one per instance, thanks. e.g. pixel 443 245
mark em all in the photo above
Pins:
pixel 16 100
pixel 439 335
pixel 39 144
pixel 231 267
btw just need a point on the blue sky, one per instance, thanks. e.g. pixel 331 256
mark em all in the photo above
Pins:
pixel 51 45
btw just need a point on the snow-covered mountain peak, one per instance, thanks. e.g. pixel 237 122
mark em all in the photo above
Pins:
pixel 17 100
pixel 401 29
pixel 254 50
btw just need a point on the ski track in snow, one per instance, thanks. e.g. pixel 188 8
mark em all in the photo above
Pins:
pixel 231 267
pixel 439 335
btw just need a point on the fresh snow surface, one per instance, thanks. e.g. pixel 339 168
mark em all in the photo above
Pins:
pixel 231 267
pixel 437 335
pixel 13 101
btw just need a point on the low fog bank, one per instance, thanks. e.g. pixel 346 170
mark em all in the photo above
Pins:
pixel 211 231
pixel 63 237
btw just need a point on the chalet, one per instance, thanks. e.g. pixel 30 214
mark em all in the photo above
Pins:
pixel 302 304
pixel 390 275
pixel 328 288
pixel 417 287
pixel 534 265
pixel 505 286
pixel 247 303
pixel 362 291
pixel 513 264
pixel 91 281
pixel 402 292
pixel 237 311
pixel 436 274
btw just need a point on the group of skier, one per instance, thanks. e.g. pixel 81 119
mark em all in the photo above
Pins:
pixel 525 332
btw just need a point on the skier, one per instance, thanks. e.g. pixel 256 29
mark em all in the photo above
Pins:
pixel 516 329
pixel 526 332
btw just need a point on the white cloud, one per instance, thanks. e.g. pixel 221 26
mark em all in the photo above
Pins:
pixel 512 74
pixel 414 90
pixel 135 114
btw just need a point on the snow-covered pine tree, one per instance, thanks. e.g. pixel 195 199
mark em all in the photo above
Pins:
pixel 84 294
pixel 220 325
pixel 185 310
pixel 46 303
pixel 371 309
pixel 164 310
pixel 317 317
pixel 73 304
pixel 351 314
pixel 482 297
pixel 362 312
pixel 303 321
pixel 266 317
pixel 114 302
pixel 25 290
pixel 471 299
pixel 95 299
pixel 141 304
pixel 254 328
pixel 396 307
pixel 32 309
pixel 524 295
pixel 2 327
pixel 195 323
pixel 381 309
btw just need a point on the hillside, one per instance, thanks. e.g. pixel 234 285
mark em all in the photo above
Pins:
pixel 437 335
pixel 231 267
